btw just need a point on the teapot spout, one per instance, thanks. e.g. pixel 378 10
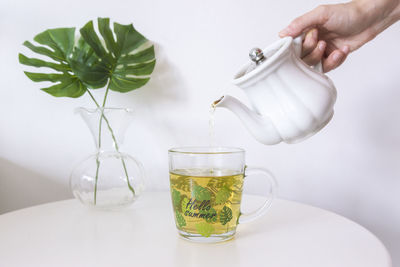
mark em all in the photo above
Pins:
pixel 261 127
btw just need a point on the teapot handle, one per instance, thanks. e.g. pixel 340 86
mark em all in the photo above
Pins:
pixel 298 44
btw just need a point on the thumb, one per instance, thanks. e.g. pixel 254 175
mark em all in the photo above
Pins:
pixel 313 18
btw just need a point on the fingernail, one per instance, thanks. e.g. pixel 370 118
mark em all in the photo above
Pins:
pixel 283 32
pixel 314 33
pixel 310 34
pixel 346 49
pixel 321 46
pixel 337 56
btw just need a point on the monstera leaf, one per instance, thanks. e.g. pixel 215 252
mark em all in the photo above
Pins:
pixel 225 215
pixel 87 66
pixel 127 65
pixel 60 44
pixel 125 62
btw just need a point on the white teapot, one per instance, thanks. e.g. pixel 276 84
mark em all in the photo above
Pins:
pixel 291 101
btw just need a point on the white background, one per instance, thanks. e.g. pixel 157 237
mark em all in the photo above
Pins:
pixel 351 167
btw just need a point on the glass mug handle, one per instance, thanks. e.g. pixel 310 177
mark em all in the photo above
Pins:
pixel 251 216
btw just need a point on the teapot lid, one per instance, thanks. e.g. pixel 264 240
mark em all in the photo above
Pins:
pixel 256 55
pixel 262 59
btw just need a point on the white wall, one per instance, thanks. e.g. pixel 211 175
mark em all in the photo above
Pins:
pixel 351 167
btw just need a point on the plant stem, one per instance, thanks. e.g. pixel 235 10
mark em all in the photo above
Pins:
pixel 97 156
pixel 115 141
pixel 99 142
pixel 106 94
pixel 122 159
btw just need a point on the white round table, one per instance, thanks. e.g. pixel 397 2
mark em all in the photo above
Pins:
pixel 66 233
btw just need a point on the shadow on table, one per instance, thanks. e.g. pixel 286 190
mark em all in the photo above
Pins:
pixel 21 187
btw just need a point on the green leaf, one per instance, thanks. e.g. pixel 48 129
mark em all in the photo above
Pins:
pixel 200 193
pixel 137 69
pixel 176 197
pixel 140 57
pixel 204 229
pixel 87 66
pixel 72 87
pixel 68 86
pixel 105 31
pixel 43 51
pixel 34 62
pixel 124 84
pixel 61 40
pixel 59 44
pixel 90 36
pixel 127 61
pixel 42 77
pixel 223 195
pixel 180 220
pixel 123 58
pixel 225 215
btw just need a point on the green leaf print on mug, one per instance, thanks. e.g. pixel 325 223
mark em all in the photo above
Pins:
pixel 176 197
pixel 182 183
pixel 179 219
pixel 185 201
pixel 223 195
pixel 204 229
pixel 200 193
pixel 212 215
pixel 225 215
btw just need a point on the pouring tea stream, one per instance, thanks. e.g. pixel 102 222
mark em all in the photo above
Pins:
pixel 290 100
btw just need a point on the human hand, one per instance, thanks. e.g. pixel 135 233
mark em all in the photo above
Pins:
pixel 333 31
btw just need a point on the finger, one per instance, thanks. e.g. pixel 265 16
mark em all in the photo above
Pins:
pixel 345 49
pixel 313 18
pixel 316 55
pixel 333 60
pixel 310 42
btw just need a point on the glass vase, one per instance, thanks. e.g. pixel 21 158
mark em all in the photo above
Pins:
pixel 109 178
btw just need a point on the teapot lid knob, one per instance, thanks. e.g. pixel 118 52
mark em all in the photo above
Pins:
pixel 256 55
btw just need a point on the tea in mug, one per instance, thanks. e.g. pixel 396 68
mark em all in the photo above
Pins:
pixel 206 202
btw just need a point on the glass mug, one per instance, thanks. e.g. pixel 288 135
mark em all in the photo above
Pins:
pixel 206 190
